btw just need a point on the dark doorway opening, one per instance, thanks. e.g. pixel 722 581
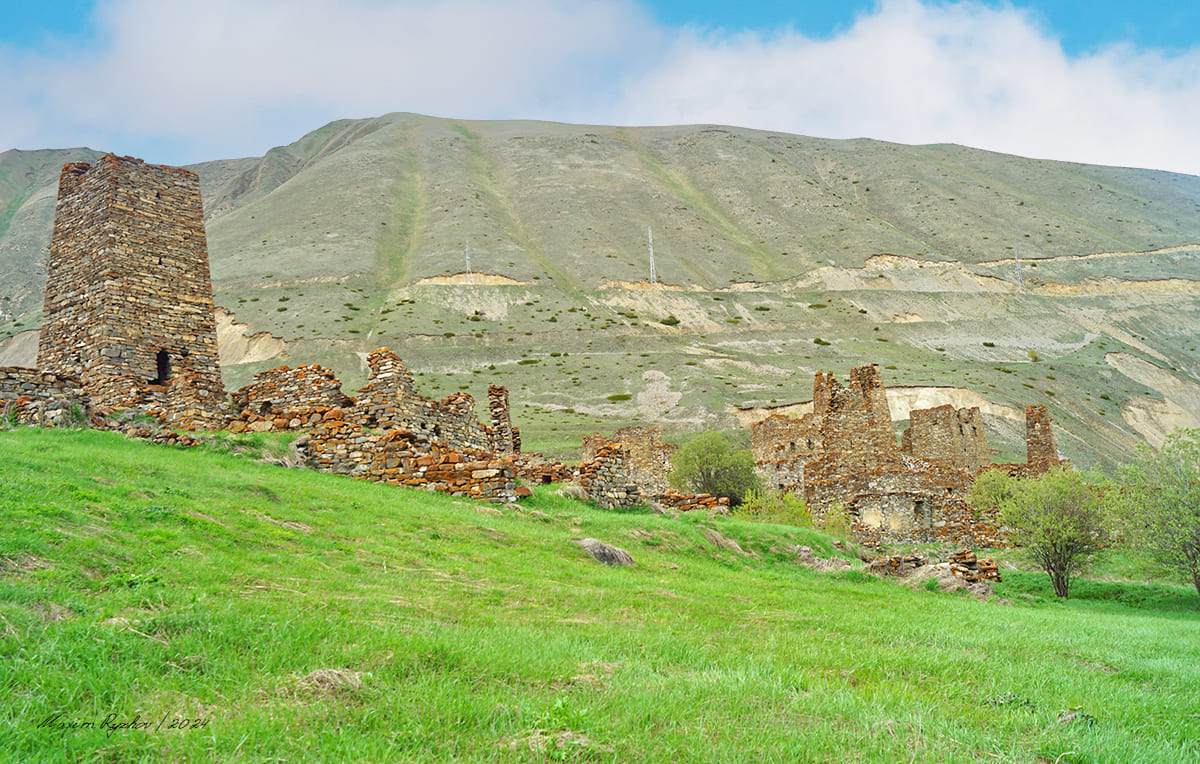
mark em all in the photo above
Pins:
pixel 163 363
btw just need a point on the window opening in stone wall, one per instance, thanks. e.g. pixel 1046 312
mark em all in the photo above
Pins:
pixel 163 363
pixel 923 521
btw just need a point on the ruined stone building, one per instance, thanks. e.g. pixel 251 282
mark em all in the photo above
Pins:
pixel 947 435
pixel 128 307
pixel 296 398
pixel 845 455
pixel 649 458
pixel 1040 448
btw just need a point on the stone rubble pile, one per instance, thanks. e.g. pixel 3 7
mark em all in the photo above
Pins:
pixel 688 502
pixel 160 436
pixel 967 566
pixel 535 468
pixel 897 564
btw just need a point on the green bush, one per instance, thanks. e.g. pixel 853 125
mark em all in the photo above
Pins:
pixel 711 464
pixel 836 522
pixel 1059 521
pixel 1161 501
pixel 774 507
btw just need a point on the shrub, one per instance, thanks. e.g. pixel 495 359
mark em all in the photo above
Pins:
pixel 1161 497
pixel 711 464
pixel 989 492
pixel 774 507
pixel 1058 519
pixel 670 321
pixel 836 522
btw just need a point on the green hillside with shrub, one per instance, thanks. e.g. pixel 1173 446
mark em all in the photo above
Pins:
pixel 274 614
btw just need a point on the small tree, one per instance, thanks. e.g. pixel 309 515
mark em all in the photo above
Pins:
pixel 990 490
pixel 1059 520
pixel 1161 499
pixel 709 463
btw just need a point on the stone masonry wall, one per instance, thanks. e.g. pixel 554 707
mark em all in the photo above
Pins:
pixel 947 435
pixel 506 438
pixel 780 437
pixel 400 457
pixel 390 401
pixel 855 426
pixel 649 458
pixel 286 398
pixel 128 296
pixel 916 501
pixel 29 396
pixel 606 478
pixel 782 445
pixel 1040 447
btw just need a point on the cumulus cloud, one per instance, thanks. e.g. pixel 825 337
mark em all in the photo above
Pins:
pixel 181 81
pixel 915 73
pixel 224 73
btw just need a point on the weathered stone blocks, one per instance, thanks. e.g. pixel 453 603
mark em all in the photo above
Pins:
pixel 128 307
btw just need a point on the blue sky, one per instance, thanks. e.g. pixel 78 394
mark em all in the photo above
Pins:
pixel 1080 25
pixel 178 81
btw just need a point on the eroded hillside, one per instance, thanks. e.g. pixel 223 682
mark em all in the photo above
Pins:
pixel 777 255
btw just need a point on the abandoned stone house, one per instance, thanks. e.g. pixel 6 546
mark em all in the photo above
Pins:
pixel 298 398
pixel 845 454
pixel 649 458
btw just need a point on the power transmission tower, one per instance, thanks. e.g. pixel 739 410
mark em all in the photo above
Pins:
pixel 650 239
pixel 467 253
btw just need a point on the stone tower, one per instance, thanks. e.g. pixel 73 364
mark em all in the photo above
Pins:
pixel 129 307
pixel 1040 448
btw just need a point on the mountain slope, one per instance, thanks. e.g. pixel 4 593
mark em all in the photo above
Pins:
pixel 357 236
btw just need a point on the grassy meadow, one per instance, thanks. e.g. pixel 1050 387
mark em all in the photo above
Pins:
pixel 160 604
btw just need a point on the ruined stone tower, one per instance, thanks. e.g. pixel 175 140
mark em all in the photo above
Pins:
pixel 1040 448
pixel 129 307
pixel 944 434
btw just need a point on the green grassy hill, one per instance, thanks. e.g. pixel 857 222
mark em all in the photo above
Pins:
pixel 298 616
pixel 356 235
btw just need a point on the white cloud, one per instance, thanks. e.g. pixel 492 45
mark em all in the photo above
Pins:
pixel 913 73
pixel 180 81
pixel 226 73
